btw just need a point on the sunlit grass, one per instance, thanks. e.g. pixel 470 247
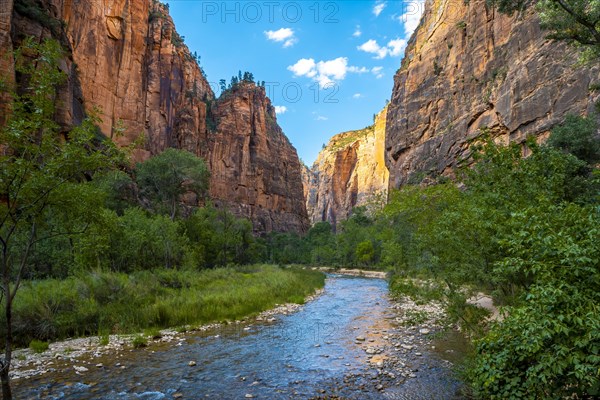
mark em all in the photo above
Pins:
pixel 118 303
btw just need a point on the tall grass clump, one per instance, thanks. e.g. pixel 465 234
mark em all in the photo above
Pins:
pixel 109 302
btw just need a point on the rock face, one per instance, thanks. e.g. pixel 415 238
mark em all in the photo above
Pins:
pixel 349 172
pixel 468 67
pixel 127 60
pixel 256 171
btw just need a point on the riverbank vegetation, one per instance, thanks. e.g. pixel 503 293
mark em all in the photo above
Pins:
pixel 525 230
pixel 102 302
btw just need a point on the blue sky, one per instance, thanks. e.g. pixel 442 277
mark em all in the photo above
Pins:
pixel 328 65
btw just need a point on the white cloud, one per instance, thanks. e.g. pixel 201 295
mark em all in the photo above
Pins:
pixel 326 73
pixel 321 118
pixel 285 35
pixel 336 68
pixel 412 15
pixel 358 70
pixel 280 110
pixel 377 72
pixel 357 96
pixel 378 8
pixel 371 46
pixel 304 67
pixel 325 81
pixel 394 48
pixel 357 31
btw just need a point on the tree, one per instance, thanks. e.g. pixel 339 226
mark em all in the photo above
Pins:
pixel 577 135
pixel 218 238
pixel 43 172
pixel 165 178
pixel 365 252
pixel 223 85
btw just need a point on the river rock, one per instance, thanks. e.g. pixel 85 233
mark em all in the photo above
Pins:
pixel 192 363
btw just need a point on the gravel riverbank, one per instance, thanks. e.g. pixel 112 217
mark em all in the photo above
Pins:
pixel 402 361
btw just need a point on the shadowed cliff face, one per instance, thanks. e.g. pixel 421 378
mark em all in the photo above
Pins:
pixel 127 60
pixel 469 67
pixel 255 170
pixel 349 172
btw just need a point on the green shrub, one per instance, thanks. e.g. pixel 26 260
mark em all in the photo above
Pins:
pixel 34 11
pixel 139 341
pixel 38 346
pixel 577 136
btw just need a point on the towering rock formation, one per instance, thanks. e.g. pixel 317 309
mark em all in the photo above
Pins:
pixel 127 60
pixel 349 172
pixel 258 173
pixel 468 67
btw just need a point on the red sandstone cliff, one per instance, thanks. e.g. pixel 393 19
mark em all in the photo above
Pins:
pixel 258 170
pixel 468 67
pixel 126 59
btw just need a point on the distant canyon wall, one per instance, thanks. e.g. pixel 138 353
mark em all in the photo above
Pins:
pixel 349 172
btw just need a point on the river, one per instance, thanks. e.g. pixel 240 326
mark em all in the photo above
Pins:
pixel 312 353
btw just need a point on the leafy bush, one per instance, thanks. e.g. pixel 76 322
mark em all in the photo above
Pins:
pixel 33 10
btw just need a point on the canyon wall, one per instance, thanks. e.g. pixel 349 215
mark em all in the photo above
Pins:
pixel 349 172
pixel 468 67
pixel 126 61
pixel 260 175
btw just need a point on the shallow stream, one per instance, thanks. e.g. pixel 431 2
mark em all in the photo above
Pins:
pixel 297 356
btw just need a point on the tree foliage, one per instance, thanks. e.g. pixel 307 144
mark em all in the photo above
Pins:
pixel 165 178
pixel 44 173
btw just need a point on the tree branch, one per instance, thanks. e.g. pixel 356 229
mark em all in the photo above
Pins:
pixel 589 25
pixel 23 262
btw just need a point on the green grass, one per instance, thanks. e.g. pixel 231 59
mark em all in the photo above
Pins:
pixel 38 346
pixel 104 337
pixel 139 341
pixel 106 302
